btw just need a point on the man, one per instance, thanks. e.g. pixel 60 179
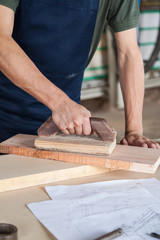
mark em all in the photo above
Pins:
pixel 44 49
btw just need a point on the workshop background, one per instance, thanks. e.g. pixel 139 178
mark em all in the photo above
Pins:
pixel 101 89
pixel 102 207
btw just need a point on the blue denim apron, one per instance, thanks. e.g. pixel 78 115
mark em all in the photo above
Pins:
pixel 56 35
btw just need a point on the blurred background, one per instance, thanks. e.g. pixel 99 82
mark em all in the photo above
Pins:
pixel 101 92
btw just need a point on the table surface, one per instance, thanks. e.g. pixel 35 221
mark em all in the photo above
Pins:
pixel 13 207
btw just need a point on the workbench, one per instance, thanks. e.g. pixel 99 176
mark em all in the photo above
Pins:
pixel 13 203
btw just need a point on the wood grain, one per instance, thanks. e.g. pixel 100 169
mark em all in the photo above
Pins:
pixel 75 143
pixel 18 172
pixel 123 157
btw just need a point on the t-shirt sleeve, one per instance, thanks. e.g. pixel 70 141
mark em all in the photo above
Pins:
pixel 123 15
pixel 13 4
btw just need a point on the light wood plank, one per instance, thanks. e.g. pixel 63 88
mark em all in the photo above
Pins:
pixel 18 172
pixel 123 157
pixel 75 143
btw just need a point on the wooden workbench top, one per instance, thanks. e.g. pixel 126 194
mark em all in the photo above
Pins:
pixel 13 204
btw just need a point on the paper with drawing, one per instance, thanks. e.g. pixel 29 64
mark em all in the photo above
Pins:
pixel 85 212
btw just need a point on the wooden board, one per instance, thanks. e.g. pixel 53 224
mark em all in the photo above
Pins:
pixel 123 157
pixel 75 143
pixel 18 172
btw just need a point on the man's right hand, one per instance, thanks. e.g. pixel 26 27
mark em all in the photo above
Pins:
pixel 71 118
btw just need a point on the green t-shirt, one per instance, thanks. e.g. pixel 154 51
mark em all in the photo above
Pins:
pixel 121 15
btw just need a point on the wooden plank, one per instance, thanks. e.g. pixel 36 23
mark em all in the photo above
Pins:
pixel 18 172
pixel 75 143
pixel 123 157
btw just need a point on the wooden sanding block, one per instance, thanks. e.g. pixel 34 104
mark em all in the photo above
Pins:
pixel 103 143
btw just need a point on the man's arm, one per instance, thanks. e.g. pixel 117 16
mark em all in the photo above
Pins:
pixel 131 72
pixel 69 116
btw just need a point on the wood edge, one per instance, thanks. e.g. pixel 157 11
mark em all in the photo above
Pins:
pixel 98 161
pixel 107 149
pixel 32 180
pixel 157 164
pixel 58 156
pixel 134 167
pixel 102 161
pixel 113 146
pixel 151 169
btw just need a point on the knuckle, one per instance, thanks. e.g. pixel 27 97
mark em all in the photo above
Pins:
pixel 86 118
pixel 76 122
pixel 152 144
pixel 86 121
pixel 147 139
pixel 62 128
pixel 70 126
pixel 89 113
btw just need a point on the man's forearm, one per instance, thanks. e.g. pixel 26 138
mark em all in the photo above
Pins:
pixel 131 71
pixel 16 65
pixel 132 84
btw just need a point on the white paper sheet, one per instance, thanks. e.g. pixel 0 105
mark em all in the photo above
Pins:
pixel 85 212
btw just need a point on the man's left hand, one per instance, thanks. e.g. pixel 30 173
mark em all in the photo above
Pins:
pixel 136 139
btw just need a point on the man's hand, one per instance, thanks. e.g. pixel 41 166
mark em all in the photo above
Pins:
pixel 71 118
pixel 136 139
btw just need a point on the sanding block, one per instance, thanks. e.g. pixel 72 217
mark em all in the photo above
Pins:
pixel 103 143
pixel 98 125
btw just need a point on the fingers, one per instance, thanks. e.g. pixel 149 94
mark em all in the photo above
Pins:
pixel 84 127
pixel 70 127
pixel 146 143
pixel 157 146
pixel 74 125
pixel 124 142
pixel 64 130
pixel 67 128
pixel 139 141
pixel 150 144
pixel 77 128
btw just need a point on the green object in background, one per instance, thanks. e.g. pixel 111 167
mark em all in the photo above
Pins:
pixel 148 32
